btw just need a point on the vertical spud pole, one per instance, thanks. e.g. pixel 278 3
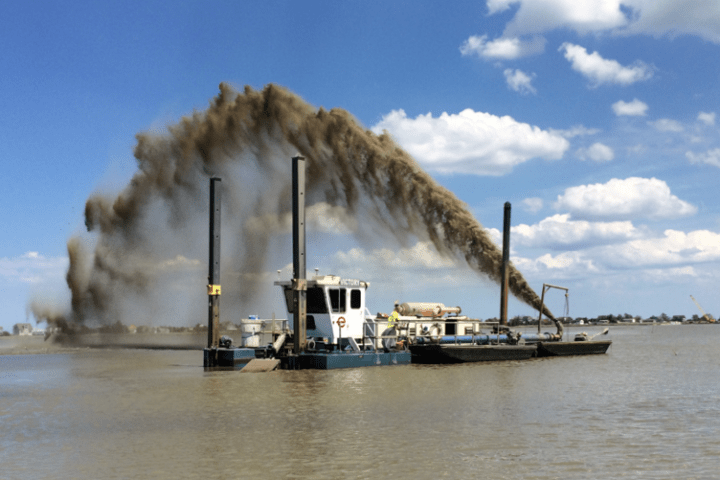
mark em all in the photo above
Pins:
pixel 299 261
pixel 505 271
pixel 214 289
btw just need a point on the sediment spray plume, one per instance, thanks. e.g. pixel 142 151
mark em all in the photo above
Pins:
pixel 158 221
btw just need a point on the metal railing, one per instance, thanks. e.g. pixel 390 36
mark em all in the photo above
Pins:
pixel 408 328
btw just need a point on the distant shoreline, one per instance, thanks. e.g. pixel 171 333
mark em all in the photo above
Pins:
pixel 36 344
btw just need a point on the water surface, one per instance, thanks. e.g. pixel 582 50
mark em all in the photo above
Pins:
pixel 650 408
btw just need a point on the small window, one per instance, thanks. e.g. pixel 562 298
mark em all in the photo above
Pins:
pixel 355 298
pixel 450 328
pixel 310 322
pixel 337 300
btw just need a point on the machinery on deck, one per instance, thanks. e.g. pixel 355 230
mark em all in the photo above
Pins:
pixel 706 316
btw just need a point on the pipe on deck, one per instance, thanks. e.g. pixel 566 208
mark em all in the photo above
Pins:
pixel 485 339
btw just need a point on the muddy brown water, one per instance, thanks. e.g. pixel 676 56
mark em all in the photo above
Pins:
pixel 649 408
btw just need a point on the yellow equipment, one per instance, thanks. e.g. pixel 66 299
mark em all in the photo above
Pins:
pixel 706 316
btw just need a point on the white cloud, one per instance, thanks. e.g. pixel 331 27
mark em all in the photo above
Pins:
pixel 532 205
pixel 624 17
pixel 673 18
pixel 597 152
pixel 708 118
pixel 674 248
pixel 559 231
pixel 501 48
pixel 495 6
pixel 583 16
pixel 519 81
pixel 471 142
pixel 673 252
pixel 711 157
pixel 634 108
pixel 576 131
pixel 563 265
pixel 497 238
pixel 33 268
pixel 637 149
pixel 602 71
pixel 421 255
pixel 667 125
pixel 629 198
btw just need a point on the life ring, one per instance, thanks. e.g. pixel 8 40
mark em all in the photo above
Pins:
pixel 341 322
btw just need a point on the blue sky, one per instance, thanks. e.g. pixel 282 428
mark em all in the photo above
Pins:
pixel 595 119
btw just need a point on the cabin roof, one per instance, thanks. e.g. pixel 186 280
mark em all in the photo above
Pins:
pixel 328 280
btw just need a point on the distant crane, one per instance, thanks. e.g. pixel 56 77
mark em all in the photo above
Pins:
pixel 706 316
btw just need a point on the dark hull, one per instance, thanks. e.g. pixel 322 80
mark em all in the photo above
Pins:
pixel 432 354
pixel 557 349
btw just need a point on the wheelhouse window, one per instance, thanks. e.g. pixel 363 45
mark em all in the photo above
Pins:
pixel 337 299
pixel 315 300
pixel 355 298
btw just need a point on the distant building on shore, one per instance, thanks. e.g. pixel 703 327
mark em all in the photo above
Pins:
pixel 22 329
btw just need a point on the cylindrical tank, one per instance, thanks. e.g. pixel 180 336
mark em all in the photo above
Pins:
pixel 442 310
pixel 426 309
pixel 250 340
pixel 251 324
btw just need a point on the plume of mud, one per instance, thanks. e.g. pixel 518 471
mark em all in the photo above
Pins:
pixel 247 138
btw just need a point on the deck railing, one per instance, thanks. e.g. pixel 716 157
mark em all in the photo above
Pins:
pixel 409 328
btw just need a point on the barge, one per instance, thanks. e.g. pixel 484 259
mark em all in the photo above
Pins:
pixel 559 349
pixel 434 354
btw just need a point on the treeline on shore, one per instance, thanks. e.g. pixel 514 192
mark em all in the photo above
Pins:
pixel 518 320
pixel 625 318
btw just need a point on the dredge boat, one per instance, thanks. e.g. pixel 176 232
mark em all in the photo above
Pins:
pixel 332 327
pixel 338 322
pixel 341 332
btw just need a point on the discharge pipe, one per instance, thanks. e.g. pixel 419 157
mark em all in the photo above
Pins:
pixel 558 323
